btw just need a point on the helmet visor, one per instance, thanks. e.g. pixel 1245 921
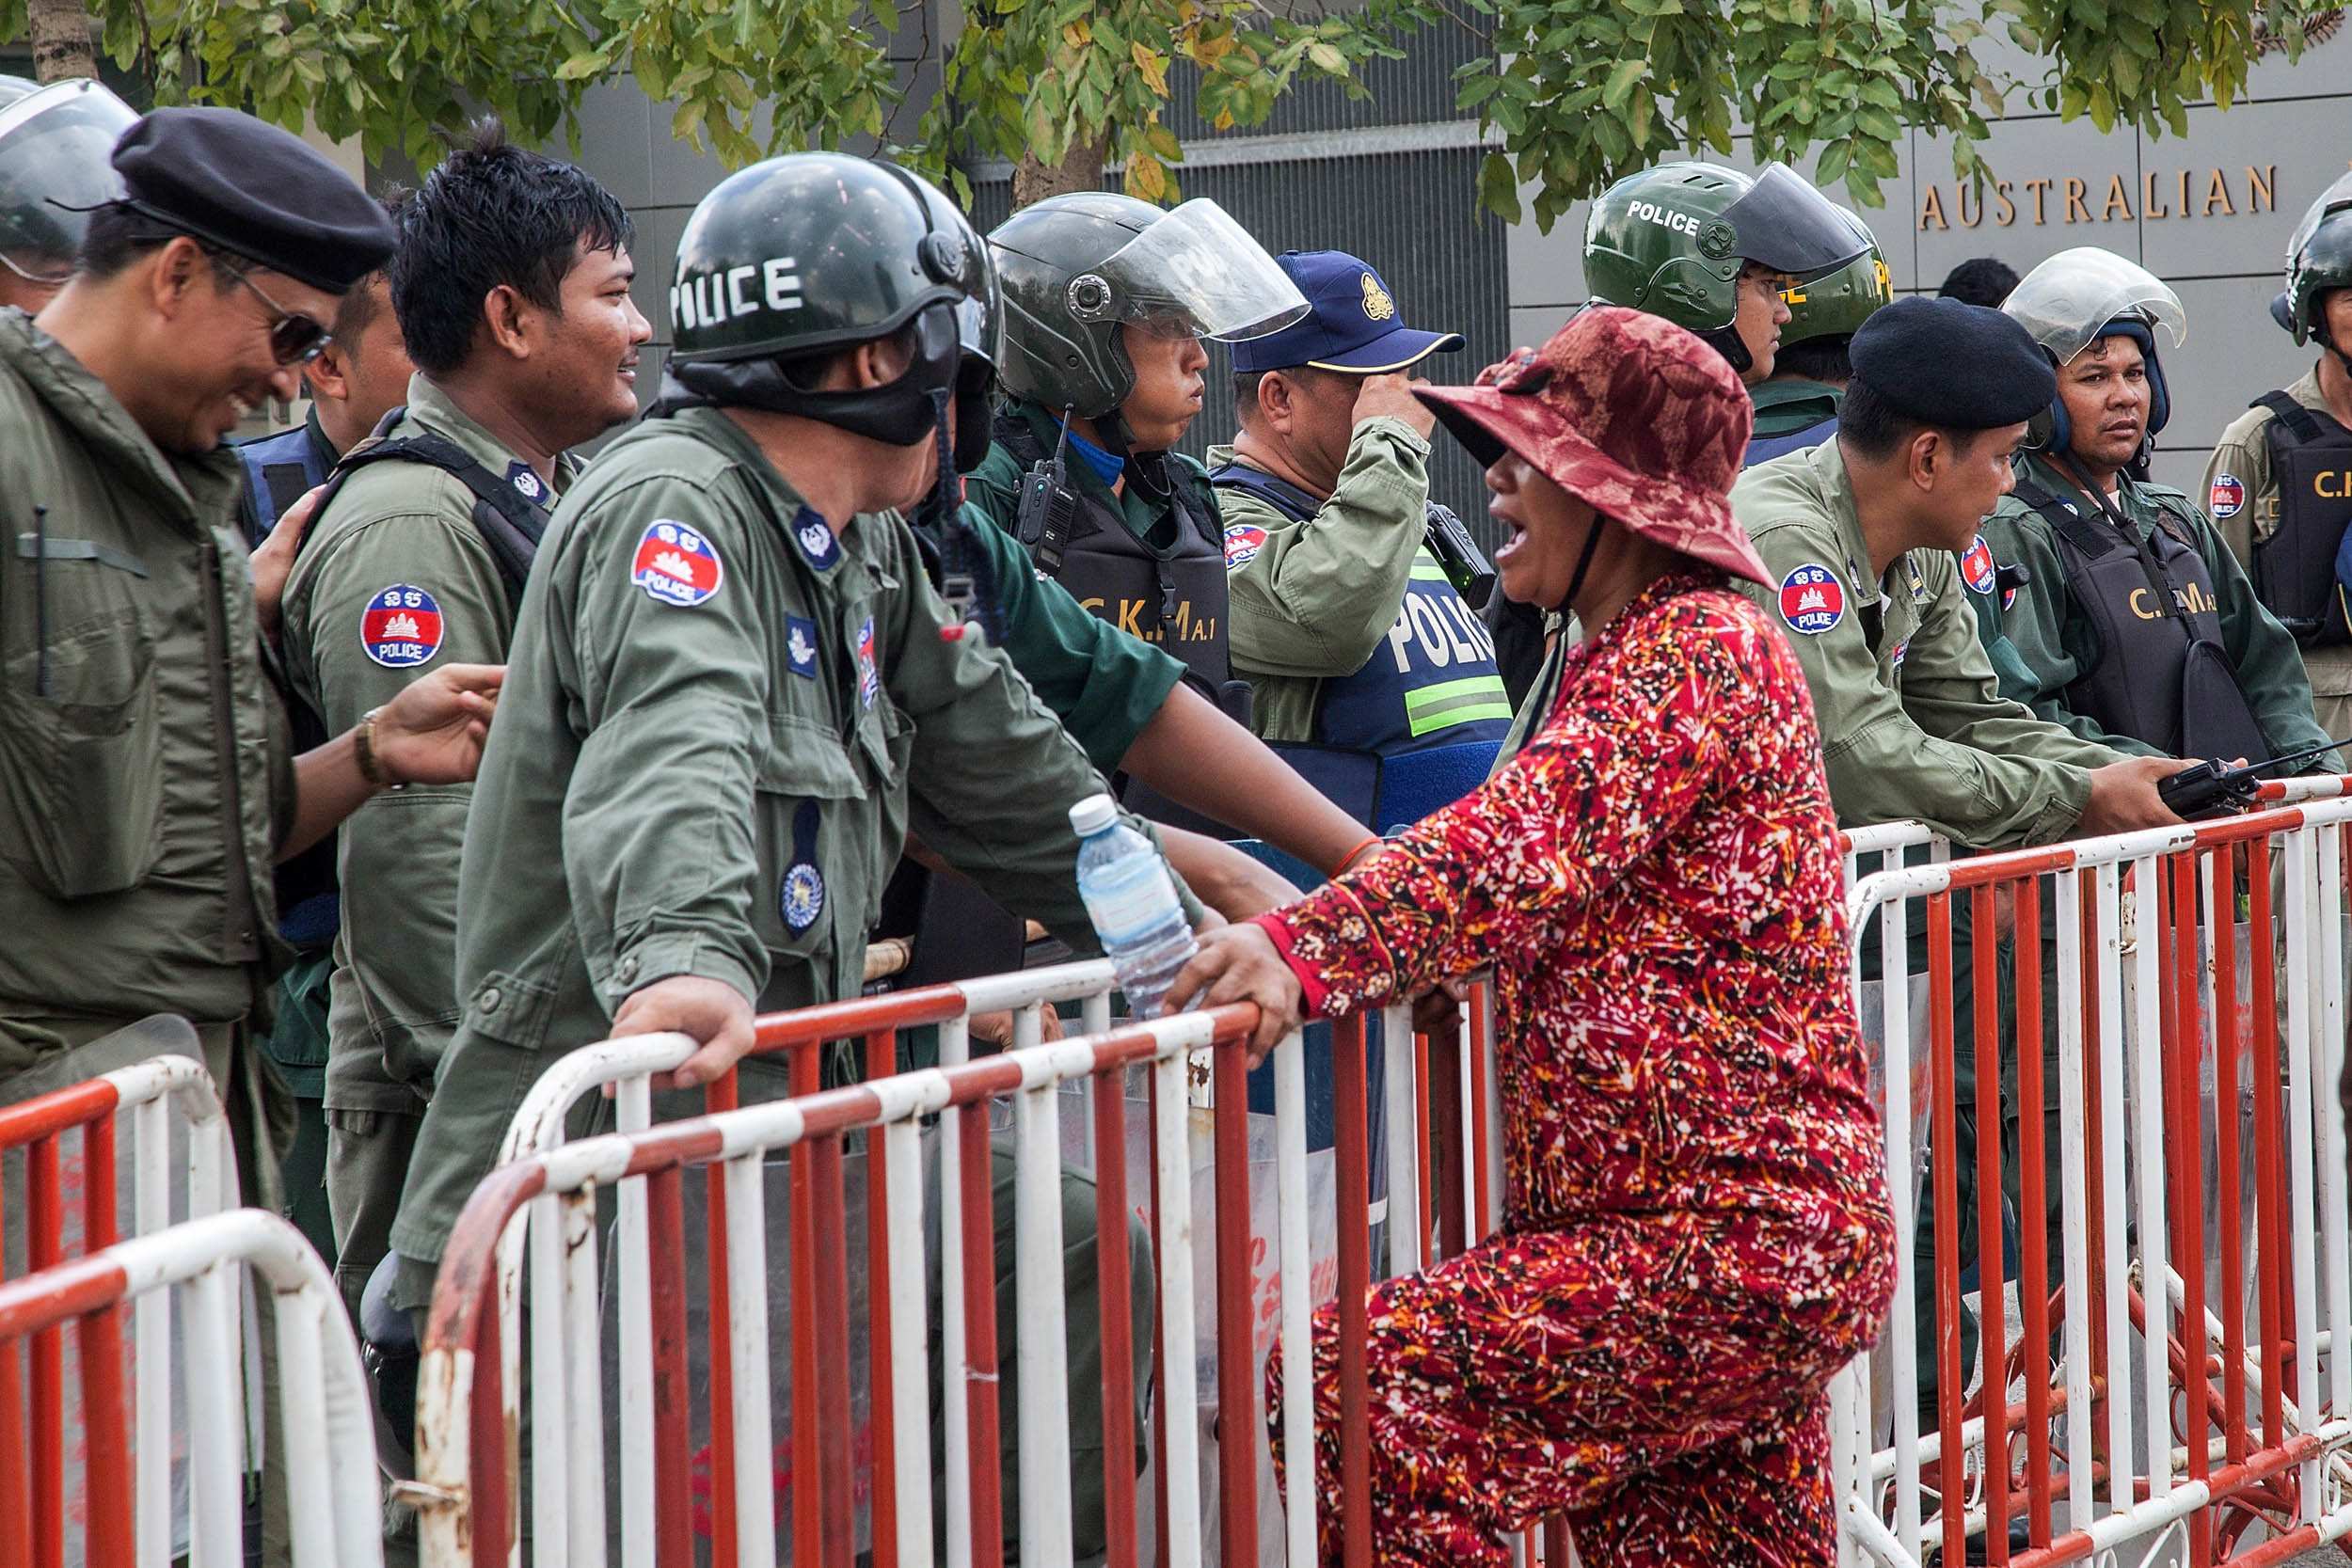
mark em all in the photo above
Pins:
pixel 56 153
pixel 1197 272
pixel 2335 199
pixel 1784 223
pixel 2067 300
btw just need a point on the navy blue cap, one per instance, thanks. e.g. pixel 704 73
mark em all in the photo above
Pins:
pixel 1351 323
pixel 1960 366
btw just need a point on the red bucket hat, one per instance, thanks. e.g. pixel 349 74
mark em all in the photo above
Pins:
pixel 1629 412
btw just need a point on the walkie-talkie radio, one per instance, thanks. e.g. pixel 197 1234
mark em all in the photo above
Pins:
pixel 2209 789
pixel 1049 508
pixel 1457 554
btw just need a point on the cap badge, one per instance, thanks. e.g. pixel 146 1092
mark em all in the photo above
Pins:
pixel 1377 305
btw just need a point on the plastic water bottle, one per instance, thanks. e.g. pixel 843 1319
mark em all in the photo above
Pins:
pixel 1133 903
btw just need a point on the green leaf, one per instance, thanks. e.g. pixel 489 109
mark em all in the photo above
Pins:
pixel 1498 190
pixel 1621 79
pixel 580 66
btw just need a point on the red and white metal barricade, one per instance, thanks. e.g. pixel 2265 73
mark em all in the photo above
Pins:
pixel 2165 1391
pixel 68 1143
pixel 330 1448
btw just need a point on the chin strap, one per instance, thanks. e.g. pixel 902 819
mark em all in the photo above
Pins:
pixel 969 575
pixel 1583 565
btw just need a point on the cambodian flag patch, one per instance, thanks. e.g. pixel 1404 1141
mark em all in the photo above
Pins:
pixel 675 565
pixel 1811 599
pixel 401 628
pixel 2226 496
pixel 1243 541
pixel 1976 566
pixel 868 672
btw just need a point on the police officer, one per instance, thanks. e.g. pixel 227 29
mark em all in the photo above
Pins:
pixel 2279 483
pixel 732 697
pixel 53 171
pixel 510 288
pixel 2139 629
pixel 360 374
pixel 1862 534
pixel 1352 636
pixel 1796 407
pixel 151 778
pixel 1711 249
pixel 1107 299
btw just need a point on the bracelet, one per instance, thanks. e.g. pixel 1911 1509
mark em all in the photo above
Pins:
pixel 1348 861
pixel 363 747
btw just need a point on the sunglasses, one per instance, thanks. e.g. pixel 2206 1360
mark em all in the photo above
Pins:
pixel 294 338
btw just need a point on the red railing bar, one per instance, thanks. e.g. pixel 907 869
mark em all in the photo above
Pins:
pixel 2033 1191
pixel 44 1247
pixel 975 1190
pixel 2186 1172
pixel 2229 1155
pixel 1236 1386
pixel 673 1406
pixel 495 1444
pixel 1159 1345
pixel 2270 1173
pixel 1482 1212
pixel 1993 1337
pixel 45 1116
pixel 1351 1098
pixel 1946 1133
pixel 1113 1293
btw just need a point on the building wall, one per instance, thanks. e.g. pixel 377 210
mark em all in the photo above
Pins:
pixel 1391 177
pixel 2248 174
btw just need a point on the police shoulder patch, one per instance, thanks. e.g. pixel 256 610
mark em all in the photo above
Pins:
pixel 818 543
pixel 802 899
pixel 2226 496
pixel 1243 541
pixel 1976 566
pixel 676 565
pixel 401 626
pixel 527 482
pixel 1811 599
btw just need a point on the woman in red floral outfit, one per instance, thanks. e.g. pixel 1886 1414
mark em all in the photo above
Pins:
pixel 1696 1232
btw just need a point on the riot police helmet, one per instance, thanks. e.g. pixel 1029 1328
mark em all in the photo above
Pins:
pixel 2078 296
pixel 2319 258
pixel 55 143
pixel 1826 310
pixel 1078 268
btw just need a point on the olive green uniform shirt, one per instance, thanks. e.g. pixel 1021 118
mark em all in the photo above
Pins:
pixel 2244 452
pixel 1786 407
pixel 405 531
pixel 717 781
pixel 1912 721
pixel 2055 641
pixel 1320 595
pixel 146 770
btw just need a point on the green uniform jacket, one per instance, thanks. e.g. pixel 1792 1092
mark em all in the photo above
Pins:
pixel 1784 407
pixel 1319 596
pixel 712 742
pixel 2244 452
pixel 146 774
pixel 2055 641
pixel 1913 725
pixel 401 530
pixel 1103 685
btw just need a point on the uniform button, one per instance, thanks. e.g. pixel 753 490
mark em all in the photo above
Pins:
pixel 489 999
pixel 626 970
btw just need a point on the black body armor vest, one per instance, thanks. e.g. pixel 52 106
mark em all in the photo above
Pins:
pixel 1177 600
pixel 2295 569
pixel 2162 674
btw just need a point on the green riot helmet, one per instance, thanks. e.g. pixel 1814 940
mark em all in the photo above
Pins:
pixel 2319 257
pixel 1672 241
pixel 57 146
pixel 1077 267
pixel 1833 306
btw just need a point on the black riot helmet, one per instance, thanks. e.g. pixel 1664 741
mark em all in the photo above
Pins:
pixel 815 251
pixel 801 255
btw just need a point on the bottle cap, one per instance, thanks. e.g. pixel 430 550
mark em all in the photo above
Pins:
pixel 1092 815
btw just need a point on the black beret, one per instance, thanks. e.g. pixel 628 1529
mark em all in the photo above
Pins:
pixel 255 191
pixel 1945 362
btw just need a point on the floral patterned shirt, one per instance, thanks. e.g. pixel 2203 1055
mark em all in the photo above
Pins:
pixel 1655 882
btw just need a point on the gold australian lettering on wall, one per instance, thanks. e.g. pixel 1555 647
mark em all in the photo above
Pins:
pixel 2214 192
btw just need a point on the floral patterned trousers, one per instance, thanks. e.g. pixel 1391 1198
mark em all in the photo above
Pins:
pixel 1658 1380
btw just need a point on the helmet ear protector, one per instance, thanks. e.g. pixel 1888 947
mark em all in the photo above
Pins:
pixel 2051 431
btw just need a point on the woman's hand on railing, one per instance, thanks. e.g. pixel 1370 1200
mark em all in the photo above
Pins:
pixel 1239 963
